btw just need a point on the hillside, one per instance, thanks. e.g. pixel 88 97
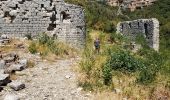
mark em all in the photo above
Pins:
pixel 72 51
pixel 133 75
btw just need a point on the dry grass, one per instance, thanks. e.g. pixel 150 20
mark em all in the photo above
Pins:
pixel 30 64
pixel 130 89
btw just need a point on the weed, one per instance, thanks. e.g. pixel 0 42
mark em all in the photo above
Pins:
pixel 32 48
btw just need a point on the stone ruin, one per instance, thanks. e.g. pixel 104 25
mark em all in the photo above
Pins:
pixel 9 64
pixel 149 28
pixel 19 18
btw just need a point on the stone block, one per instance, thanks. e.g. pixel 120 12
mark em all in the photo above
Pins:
pixel 17 85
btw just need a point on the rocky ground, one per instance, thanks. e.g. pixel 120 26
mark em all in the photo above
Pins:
pixel 49 81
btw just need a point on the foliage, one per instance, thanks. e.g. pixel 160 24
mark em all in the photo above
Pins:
pixel 88 62
pixel 146 76
pixel 160 10
pixel 124 61
pixel 48 45
pixel 98 15
pixel 32 48
pixel 107 74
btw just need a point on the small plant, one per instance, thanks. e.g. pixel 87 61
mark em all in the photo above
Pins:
pixel 43 39
pixel 107 74
pixel 140 39
pixel 32 48
pixel 88 62
pixel 146 76
pixel 30 64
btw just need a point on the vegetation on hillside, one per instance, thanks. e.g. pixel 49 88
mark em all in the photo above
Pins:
pixel 141 74
pixel 50 48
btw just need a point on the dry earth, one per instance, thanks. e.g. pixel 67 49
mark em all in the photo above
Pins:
pixel 49 81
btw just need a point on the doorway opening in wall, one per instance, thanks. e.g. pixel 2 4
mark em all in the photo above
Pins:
pixel 55 36
pixel 51 27
pixel 146 30
pixel 130 25
pixel 21 2
pixel 42 5
pixel 64 16
pixel 6 14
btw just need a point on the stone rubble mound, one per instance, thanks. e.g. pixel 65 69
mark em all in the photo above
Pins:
pixel 9 64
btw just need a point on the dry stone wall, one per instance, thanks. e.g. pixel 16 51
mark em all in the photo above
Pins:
pixel 32 17
pixel 149 28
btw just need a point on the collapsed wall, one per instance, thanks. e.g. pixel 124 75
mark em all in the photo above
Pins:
pixel 149 28
pixel 19 18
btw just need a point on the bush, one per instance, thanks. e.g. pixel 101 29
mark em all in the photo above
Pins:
pixel 44 39
pixel 124 61
pixel 48 45
pixel 107 74
pixel 32 48
pixel 146 76
pixel 88 62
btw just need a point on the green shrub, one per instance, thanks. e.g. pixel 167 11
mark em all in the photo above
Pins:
pixel 154 62
pixel 124 61
pixel 146 76
pixel 88 61
pixel 44 39
pixel 107 74
pixel 86 86
pixel 140 39
pixel 32 48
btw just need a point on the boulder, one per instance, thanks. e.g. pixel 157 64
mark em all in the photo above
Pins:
pixel 4 79
pixel 14 67
pixel 3 36
pixel 23 62
pixel 15 55
pixel 2 71
pixel 2 64
pixel 17 85
pixel 13 12
pixel 11 97
pixel 9 59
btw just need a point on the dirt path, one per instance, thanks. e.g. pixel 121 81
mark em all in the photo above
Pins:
pixel 50 81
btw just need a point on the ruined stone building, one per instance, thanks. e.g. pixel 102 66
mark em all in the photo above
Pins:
pixel 32 17
pixel 131 4
pixel 149 28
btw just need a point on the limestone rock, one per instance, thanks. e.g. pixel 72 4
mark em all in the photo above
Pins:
pixel 11 97
pixel 23 62
pixel 2 71
pixel 14 67
pixel 16 85
pixel 9 59
pixel 2 64
pixel 13 12
pixel 68 76
pixel 3 36
pixel 117 90
pixel 4 79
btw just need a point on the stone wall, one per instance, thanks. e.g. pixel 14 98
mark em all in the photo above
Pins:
pixel 148 27
pixel 32 17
